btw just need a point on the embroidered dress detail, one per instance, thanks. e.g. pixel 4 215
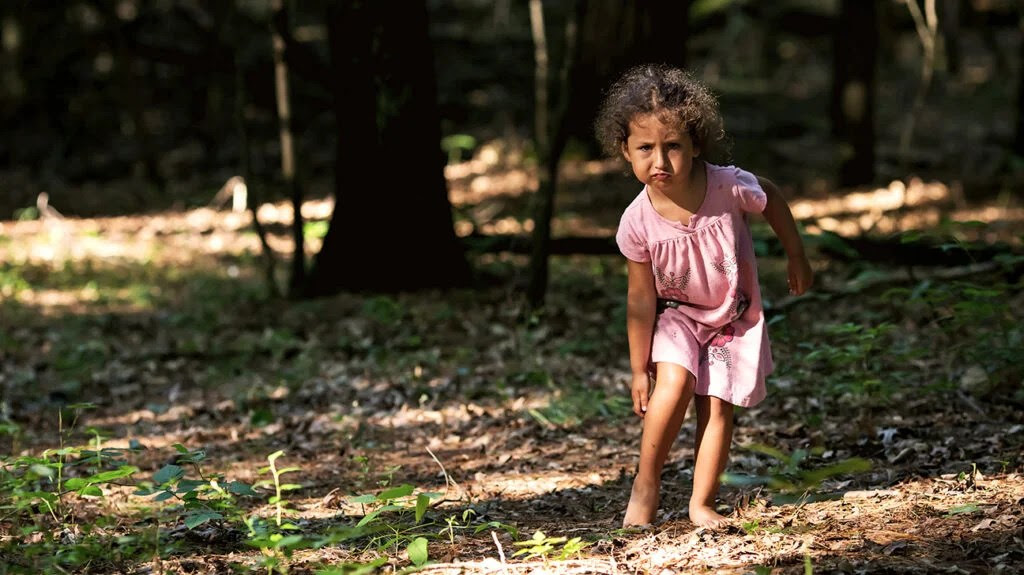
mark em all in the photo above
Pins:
pixel 717 331
pixel 673 286
pixel 727 266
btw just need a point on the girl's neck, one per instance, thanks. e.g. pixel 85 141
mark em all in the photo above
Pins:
pixel 682 203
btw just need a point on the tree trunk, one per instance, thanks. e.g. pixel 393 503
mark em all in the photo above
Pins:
pixel 244 152
pixel 389 180
pixel 131 100
pixel 1018 141
pixel 280 21
pixel 853 90
pixel 550 134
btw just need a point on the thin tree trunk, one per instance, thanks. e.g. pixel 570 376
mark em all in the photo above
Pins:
pixel 949 22
pixel 280 21
pixel 245 166
pixel 1018 142
pixel 927 25
pixel 853 90
pixel 551 135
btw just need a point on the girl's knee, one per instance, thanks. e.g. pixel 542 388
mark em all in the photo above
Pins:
pixel 674 375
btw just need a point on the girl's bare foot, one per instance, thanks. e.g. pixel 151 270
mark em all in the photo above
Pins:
pixel 706 516
pixel 643 504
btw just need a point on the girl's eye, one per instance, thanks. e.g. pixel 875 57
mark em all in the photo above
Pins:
pixel 674 146
pixel 645 147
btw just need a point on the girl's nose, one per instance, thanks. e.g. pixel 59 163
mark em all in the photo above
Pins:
pixel 661 159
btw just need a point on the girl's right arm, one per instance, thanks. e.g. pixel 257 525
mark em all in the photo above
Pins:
pixel 641 306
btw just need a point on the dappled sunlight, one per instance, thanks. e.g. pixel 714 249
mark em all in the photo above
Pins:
pixel 899 207
pixel 915 205
pixel 474 181
pixel 896 196
pixel 111 249
pixel 174 237
pixel 510 183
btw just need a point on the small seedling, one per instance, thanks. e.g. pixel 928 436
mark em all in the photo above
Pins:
pixel 543 546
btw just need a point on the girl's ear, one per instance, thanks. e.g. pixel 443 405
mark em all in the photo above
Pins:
pixel 625 151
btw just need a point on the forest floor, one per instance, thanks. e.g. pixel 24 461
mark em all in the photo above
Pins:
pixel 458 432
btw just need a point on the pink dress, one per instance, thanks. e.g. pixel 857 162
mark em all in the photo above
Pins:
pixel 719 332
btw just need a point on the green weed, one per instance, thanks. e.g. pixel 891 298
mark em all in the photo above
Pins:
pixel 576 405
pixel 544 546
pixel 858 360
pixel 790 475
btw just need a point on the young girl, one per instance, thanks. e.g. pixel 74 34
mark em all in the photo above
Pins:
pixel 694 318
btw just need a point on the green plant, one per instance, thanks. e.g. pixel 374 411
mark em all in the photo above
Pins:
pixel 277 500
pixel 203 499
pixel 980 327
pixel 315 229
pixel 12 281
pixel 854 355
pixel 39 496
pixel 576 405
pixel 276 542
pixel 456 144
pixel 790 476
pixel 397 520
pixel 541 545
pixel 367 568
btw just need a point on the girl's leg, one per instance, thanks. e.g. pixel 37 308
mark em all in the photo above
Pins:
pixel 665 411
pixel 711 452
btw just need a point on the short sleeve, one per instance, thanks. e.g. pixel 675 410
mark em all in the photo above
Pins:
pixel 631 242
pixel 748 192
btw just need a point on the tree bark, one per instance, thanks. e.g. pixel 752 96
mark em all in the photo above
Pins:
pixel 853 90
pixel 1018 141
pixel 390 188
pixel 245 163
pixel 280 20
pixel 550 135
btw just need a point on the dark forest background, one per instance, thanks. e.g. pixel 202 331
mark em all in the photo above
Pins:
pixel 143 95
pixel 125 107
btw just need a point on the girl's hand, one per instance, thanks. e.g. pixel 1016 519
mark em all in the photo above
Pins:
pixel 641 390
pixel 801 277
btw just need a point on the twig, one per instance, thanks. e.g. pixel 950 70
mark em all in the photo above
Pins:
pixel 868 494
pixel 566 567
pixel 501 552
pixel 970 402
pixel 448 481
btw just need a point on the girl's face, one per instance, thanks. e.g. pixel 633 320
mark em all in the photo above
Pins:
pixel 661 155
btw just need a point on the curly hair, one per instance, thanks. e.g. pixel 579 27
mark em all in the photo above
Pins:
pixel 673 95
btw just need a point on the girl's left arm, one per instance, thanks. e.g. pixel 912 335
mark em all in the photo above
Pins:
pixel 780 218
